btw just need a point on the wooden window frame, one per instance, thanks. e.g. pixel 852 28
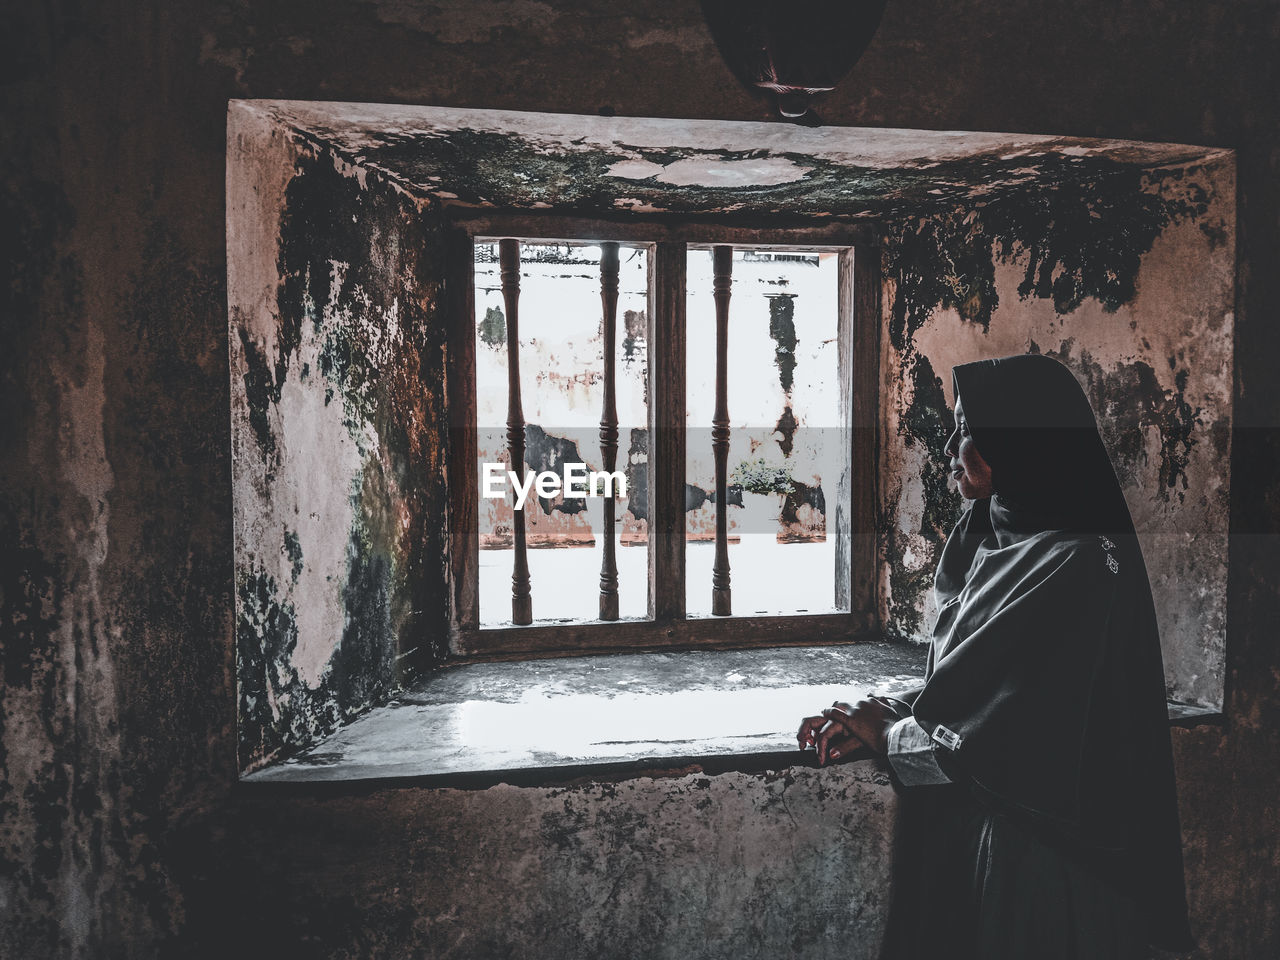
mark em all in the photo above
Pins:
pixel 668 627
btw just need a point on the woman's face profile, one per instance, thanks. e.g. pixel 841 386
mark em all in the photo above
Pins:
pixel 970 472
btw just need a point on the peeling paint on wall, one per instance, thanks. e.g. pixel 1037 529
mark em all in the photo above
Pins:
pixel 1084 273
pixel 599 165
pixel 782 328
pixel 337 400
pixel 493 328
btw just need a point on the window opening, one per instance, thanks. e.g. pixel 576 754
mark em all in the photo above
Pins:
pixel 786 449
pixel 563 382
pixel 772 443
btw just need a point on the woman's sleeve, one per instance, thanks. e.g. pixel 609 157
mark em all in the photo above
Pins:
pixel 909 695
pixel 1013 703
pixel 911 755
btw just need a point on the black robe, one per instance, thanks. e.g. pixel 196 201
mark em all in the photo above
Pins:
pixel 1045 660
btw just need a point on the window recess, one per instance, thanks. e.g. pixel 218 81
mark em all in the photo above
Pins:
pixel 595 325
pixel 352 350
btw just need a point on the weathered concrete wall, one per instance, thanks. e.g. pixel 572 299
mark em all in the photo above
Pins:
pixel 337 413
pixel 117 833
pixel 1130 281
pixel 744 865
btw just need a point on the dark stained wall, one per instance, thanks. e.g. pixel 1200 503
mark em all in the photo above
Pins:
pixel 1131 282
pixel 337 396
pixel 118 830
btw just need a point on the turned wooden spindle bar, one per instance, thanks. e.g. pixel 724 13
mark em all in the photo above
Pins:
pixel 665 470
pixel 609 427
pixel 722 269
pixel 509 258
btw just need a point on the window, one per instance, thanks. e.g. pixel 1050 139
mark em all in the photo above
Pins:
pixel 352 233
pixel 798 492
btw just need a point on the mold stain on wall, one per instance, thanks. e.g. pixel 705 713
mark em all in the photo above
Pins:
pixel 591 174
pixel 1062 269
pixel 339 591
pixel 782 330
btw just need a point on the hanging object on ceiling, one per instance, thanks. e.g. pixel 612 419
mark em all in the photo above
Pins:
pixel 794 50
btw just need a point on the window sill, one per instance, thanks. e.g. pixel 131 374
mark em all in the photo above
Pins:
pixel 547 721
pixel 538 721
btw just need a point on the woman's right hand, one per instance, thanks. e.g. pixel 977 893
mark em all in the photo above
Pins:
pixel 842 728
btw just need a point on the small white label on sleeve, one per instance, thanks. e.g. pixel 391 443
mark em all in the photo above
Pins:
pixel 948 738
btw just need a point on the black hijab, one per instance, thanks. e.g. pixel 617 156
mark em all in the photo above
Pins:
pixel 1046 657
pixel 1033 425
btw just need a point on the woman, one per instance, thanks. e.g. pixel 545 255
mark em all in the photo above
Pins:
pixel 1039 817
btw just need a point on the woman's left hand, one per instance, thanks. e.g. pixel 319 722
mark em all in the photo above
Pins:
pixel 842 728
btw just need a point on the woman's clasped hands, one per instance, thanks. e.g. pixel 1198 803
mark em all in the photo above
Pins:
pixel 842 729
